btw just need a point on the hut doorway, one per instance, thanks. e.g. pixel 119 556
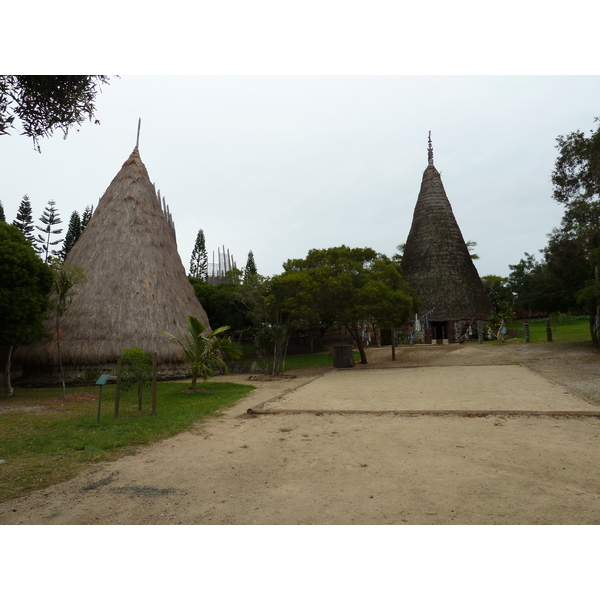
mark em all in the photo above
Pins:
pixel 439 332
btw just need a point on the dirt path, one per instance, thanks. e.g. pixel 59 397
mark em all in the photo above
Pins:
pixel 368 468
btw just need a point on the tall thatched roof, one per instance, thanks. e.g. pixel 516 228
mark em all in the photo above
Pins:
pixel 436 261
pixel 136 284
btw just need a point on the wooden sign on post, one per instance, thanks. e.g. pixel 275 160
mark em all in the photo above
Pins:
pixel 101 381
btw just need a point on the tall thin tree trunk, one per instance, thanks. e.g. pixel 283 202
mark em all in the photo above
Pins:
pixel 359 344
pixel 62 372
pixel 595 341
pixel 9 389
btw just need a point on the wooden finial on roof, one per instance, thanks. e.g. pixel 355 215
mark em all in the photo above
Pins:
pixel 430 150
pixel 137 141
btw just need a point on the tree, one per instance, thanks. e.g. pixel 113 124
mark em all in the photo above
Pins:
pixel 25 282
pixel 2 215
pixel 471 247
pixel 73 233
pixel 497 289
pixel 65 278
pixel 388 297
pixel 86 215
pixel 137 370
pixel 24 221
pixel 288 305
pixel 221 304
pixel 250 268
pixel 49 218
pixel 46 103
pixel 205 354
pixel 532 285
pixel 199 260
pixel 576 185
pixel 341 285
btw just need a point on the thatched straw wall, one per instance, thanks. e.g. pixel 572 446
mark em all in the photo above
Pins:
pixel 136 284
pixel 436 260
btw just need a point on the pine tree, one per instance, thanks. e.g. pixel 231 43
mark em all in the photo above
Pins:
pixel 2 215
pixel 250 266
pixel 199 261
pixel 73 234
pixel 86 216
pixel 49 218
pixel 24 221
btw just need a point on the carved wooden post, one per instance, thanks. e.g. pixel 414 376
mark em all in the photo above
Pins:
pixel 154 383
pixel 480 331
pixel 548 330
pixel 118 389
pixel 526 329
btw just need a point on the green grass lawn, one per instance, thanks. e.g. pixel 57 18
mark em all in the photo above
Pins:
pixel 571 329
pixel 58 439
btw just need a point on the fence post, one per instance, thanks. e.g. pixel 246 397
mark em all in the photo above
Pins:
pixel 526 329
pixel 154 383
pixel 548 330
pixel 118 388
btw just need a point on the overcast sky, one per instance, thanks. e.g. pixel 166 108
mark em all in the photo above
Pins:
pixel 282 164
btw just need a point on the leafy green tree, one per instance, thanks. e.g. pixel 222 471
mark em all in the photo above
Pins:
pixel 25 282
pixel 49 218
pixel 471 248
pixel 73 232
pixel 388 297
pixel 288 306
pixel 46 103
pixel 532 285
pixel 205 354
pixel 24 221
pixel 136 370
pixel 250 268
pixel 222 305
pixel 199 260
pixel 342 283
pixel 2 215
pixel 497 289
pixel 576 185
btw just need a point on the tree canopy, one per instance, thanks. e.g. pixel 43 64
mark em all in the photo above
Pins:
pixel 576 185
pixel 43 104
pixel 350 285
pixel 25 283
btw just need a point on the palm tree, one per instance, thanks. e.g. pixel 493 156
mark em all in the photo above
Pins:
pixel 205 354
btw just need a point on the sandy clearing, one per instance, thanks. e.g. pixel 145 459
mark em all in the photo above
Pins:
pixel 502 387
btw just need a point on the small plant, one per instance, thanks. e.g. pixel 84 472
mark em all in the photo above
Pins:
pixel 137 369
pixel 90 376
pixel 205 354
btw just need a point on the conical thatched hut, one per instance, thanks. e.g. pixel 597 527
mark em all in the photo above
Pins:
pixel 136 285
pixel 437 264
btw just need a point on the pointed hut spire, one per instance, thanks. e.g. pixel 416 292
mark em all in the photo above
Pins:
pixel 436 260
pixel 136 284
pixel 430 151
pixel 137 141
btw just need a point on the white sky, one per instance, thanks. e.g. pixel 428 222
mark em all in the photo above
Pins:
pixel 311 135
pixel 282 164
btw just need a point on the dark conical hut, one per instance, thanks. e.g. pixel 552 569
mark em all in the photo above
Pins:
pixel 136 284
pixel 437 264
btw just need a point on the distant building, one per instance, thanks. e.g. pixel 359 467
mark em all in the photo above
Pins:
pixel 221 264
